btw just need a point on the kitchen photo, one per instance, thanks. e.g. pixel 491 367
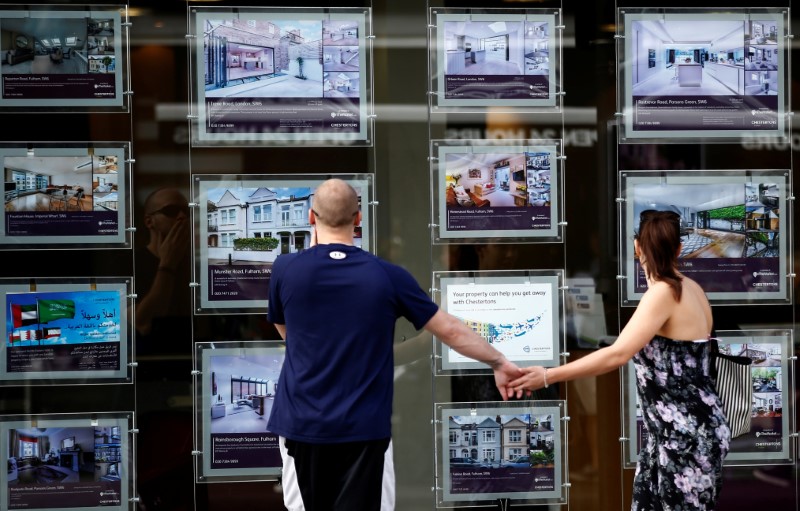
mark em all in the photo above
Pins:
pixel 485 47
pixel 703 57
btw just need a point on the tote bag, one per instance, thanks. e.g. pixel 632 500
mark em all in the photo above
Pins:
pixel 734 382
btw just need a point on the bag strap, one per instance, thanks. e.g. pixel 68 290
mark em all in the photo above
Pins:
pixel 713 345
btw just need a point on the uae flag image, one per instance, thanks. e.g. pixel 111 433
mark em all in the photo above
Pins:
pixel 24 315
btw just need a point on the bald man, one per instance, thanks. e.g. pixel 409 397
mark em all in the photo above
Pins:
pixel 336 306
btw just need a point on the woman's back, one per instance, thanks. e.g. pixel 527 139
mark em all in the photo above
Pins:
pixel 690 319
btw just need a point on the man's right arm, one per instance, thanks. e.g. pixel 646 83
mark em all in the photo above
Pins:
pixel 454 333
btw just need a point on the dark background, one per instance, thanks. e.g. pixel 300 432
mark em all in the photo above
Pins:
pixel 162 393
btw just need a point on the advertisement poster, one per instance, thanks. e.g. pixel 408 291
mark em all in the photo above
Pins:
pixel 704 74
pixel 65 464
pixel 497 192
pixel 239 385
pixel 245 224
pixel 773 398
pixel 733 230
pixel 64 335
pixel 62 58
pixel 519 316
pixel 64 196
pixel 275 75
pixel 495 59
pixel 500 453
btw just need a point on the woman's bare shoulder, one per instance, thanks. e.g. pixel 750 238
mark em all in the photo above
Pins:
pixel 659 289
pixel 691 284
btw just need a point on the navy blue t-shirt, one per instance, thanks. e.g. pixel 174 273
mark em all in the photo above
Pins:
pixel 339 304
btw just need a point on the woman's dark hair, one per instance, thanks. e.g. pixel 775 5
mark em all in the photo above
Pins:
pixel 659 240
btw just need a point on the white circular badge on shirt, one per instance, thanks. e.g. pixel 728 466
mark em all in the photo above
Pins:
pixel 337 255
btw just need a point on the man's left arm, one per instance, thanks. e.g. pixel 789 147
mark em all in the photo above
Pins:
pixel 281 330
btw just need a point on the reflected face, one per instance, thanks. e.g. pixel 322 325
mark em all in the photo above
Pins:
pixel 164 209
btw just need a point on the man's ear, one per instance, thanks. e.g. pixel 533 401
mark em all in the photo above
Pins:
pixel 312 220
pixel 357 221
pixel 148 221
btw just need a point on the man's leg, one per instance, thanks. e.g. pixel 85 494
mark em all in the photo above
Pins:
pixel 388 491
pixel 362 478
pixel 351 476
pixel 292 498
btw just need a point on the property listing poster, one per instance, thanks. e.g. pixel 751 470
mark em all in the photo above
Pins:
pixel 62 58
pixel 773 398
pixel 497 192
pixel 245 224
pixel 495 59
pixel 64 196
pixel 65 464
pixel 520 317
pixel 733 230
pixel 704 74
pixel 64 335
pixel 276 75
pixel 239 386
pixel 500 453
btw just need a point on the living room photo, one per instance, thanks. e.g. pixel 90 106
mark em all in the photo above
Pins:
pixel 475 180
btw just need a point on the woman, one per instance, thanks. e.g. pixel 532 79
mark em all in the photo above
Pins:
pixel 680 463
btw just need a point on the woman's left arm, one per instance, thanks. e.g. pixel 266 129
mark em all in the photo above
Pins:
pixel 653 311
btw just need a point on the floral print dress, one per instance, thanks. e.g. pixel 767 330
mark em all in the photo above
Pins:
pixel 687 435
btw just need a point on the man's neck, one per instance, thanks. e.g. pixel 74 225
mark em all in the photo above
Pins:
pixel 327 238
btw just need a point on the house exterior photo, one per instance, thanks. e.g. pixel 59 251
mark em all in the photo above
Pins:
pixel 515 439
pixel 261 214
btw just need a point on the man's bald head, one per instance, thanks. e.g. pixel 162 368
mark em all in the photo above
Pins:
pixel 335 203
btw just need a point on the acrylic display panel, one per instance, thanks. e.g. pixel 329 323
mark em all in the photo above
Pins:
pixel 586 319
pixel 697 75
pixel 499 191
pixel 520 313
pixel 496 58
pixel 66 331
pixel 71 59
pixel 281 76
pixel 67 461
pixel 734 230
pixel 66 195
pixel 769 440
pixel 500 450
pixel 234 393
pixel 244 222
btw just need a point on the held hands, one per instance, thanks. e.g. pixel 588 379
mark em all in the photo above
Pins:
pixel 505 373
pixel 533 378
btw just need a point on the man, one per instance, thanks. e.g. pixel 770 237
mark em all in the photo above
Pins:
pixel 163 265
pixel 336 306
pixel 163 347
